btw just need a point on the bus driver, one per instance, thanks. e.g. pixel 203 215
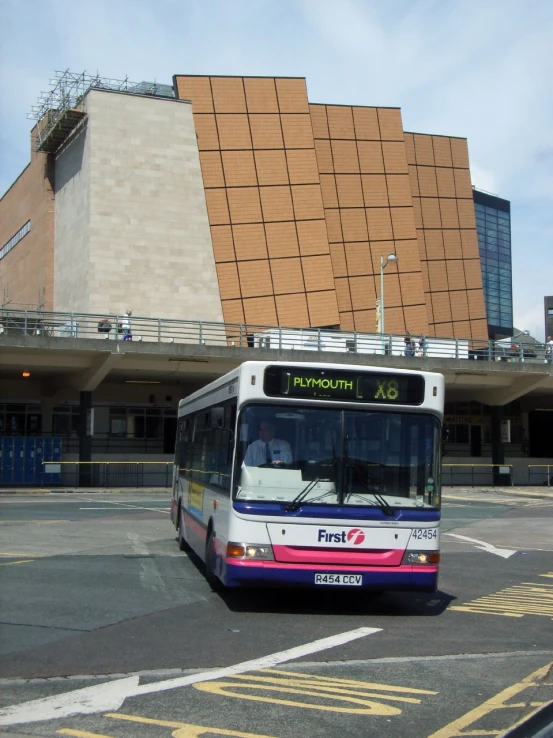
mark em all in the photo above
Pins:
pixel 268 449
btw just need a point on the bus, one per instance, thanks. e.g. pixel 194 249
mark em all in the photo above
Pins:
pixel 312 474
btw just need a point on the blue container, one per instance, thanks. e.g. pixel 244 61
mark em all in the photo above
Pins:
pixel 51 454
pixel 6 460
pixel 18 460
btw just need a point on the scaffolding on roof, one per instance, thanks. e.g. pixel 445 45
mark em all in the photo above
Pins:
pixel 59 111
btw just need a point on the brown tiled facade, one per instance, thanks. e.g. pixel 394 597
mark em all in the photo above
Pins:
pixel 369 214
pixel 303 200
pixel 27 270
pixel 264 199
pixel 446 233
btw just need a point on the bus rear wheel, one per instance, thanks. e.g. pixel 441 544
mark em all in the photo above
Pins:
pixel 183 545
pixel 210 562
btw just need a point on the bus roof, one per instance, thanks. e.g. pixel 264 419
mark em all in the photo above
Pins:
pixel 234 374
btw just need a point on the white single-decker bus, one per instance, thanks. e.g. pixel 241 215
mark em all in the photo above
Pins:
pixel 312 474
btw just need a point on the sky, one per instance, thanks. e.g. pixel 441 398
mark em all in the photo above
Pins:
pixel 480 69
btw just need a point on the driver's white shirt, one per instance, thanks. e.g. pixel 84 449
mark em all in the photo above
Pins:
pixel 280 451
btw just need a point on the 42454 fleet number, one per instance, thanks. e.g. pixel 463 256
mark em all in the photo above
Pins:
pixel 421 534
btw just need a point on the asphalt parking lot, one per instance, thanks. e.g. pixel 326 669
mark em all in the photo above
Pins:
pixel 117 632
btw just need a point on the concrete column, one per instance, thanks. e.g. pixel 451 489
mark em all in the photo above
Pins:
pixel 85 439
pixel 498 449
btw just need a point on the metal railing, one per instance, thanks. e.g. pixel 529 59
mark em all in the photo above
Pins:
pixel 104 443
pixel 541 474
pixel 454 475
pixel 123 473
pixel 111 327
pixel 67 90
pixel 107 474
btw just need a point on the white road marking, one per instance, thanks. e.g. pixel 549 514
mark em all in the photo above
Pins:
pixel 109 696
pixel 121 505
pixel 505 553
pixel 33 681
pixel 149 574
pixel 154 509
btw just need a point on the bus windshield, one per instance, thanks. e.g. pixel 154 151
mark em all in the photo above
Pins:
pixel 315 456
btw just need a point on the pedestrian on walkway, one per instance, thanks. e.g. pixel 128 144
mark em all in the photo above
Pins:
pixel 423 343
pixel 125 326
pixel 549 350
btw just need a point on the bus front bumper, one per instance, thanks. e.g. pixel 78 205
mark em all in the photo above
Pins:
pixel 273 574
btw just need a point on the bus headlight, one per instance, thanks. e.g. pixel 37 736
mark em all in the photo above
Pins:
pixel 259 551
pixel 422 558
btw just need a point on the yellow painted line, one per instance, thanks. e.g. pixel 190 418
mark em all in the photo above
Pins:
pixel 497 702
pixel 11 555
pixel 33 522
pixel 82 733
pixel 545 598
pixel 518 705
pixel 371 697
pixel 524 595
pixel 483 611
pixel 184 730
pixel 517 601
pixel 22 561
pixel 514 610
pixel 334 685
pixel 505 611
pixel 369 707
pixel 526 598
pixel 509 603
pixel 523 598
pixel 352 682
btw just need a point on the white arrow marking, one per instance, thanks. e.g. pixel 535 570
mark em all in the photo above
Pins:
pixel 503 552
pixel 81 701
pixel 109 696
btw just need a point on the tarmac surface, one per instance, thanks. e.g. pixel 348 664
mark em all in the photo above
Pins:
pixel 99 603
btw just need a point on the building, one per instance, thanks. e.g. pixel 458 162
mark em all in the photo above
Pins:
pixel 548 315
pixel 275 209
pixel 233 200
pixel 493 225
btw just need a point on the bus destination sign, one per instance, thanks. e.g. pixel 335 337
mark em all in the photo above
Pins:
pixel 350 386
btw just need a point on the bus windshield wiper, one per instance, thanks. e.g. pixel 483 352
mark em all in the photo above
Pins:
pixel 298 499
pixel 384 506
pixel 378 498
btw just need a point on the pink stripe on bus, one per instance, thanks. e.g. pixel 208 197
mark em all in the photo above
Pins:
pixel 326 567
pixel 293 555
pixel 196 527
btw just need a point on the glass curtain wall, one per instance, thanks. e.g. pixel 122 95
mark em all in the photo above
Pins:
pixel 493 225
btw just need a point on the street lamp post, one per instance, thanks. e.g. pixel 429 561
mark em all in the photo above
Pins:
pixel 383 264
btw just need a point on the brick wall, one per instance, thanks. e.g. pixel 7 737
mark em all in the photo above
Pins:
pixel 27 271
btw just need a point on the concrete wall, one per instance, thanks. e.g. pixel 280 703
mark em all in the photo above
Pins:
pixel 149 244
pixel 72 232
